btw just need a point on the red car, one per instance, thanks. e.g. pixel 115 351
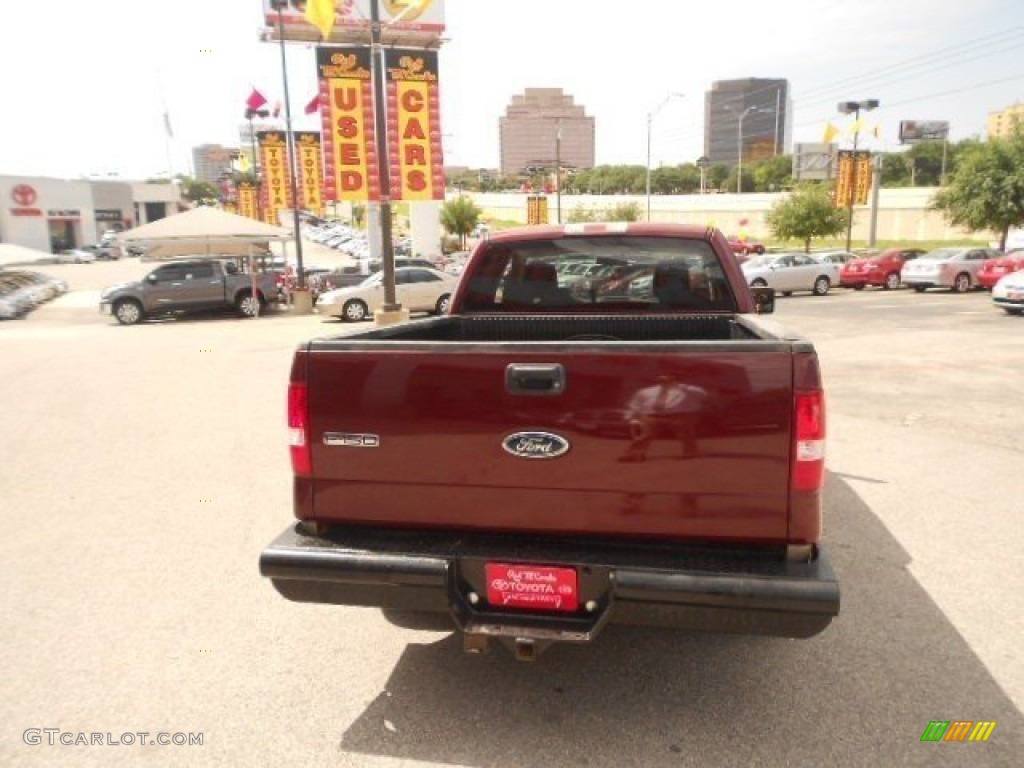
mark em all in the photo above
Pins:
pixel 993 269
pixel 745 247
pixel 882 269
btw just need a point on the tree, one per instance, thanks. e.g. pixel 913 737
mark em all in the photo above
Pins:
pixel 805 214
pixel 774 174
pixel 986 192
pixel 459 217
pixel 717 175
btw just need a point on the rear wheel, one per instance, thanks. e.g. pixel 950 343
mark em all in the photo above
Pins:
pixel 919 288
pixel 821 286
pixel 892 281
pixel 442 304
pixel 962 283
pixel 354 311
pixel 128 311
pixel 759 283
pixel 858 287
pixel 1013 310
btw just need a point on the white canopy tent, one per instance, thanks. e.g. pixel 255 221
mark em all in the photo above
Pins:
pixel 206 233
pixel 203 231
pixel 17 255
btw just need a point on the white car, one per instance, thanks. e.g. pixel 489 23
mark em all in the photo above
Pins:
pixel 953 268
pixel 1008 293
pixel 417 289
pixel 789 272
pixel 76 256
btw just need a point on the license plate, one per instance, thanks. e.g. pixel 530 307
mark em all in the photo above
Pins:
pixel 536 587
pixel 1015 295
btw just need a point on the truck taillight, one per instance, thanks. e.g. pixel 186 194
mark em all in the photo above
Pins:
pixel 809 430
pixel 298 429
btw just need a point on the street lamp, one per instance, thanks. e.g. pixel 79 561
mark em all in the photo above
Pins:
pixel 854 108
pixel 650 119
pixel 739 148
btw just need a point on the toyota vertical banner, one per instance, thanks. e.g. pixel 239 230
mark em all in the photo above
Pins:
pixel 247 200
pixel 346 108
pixel 274 162
pixel 311 172
pixel 414 125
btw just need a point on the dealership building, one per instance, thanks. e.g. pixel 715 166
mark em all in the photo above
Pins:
pixel 56 214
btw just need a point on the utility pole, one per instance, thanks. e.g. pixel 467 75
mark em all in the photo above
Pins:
pixel 876 184
pixel 558 170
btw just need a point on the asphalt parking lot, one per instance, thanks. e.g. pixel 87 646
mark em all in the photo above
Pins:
pixel 145 468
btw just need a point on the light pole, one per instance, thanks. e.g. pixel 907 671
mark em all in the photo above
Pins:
pixel 739 149
pixel 279 6
pixel 854 108
pixel 650 119
pixel 558 170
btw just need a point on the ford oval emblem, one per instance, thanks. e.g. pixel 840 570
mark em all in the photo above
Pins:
pixel 535 445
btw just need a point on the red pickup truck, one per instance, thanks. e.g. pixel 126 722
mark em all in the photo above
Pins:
pixel 544 461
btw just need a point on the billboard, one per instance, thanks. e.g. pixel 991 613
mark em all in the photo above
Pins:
pixel 346 109
pixel 274 164
pixel 415 161
pixel 913 131
pixel 403 22
pixel 814 162
pixel 311 172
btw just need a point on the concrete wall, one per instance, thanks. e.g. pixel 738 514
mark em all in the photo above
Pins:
pixel 903 214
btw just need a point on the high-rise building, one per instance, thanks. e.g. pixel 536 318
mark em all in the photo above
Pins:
pixel 1000 123
pixel 531 127
pixel 763 107
pixel 211 161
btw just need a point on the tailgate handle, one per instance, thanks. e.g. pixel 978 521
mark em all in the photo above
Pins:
pixel 535 378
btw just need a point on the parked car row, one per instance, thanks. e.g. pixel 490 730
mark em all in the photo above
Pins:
pixel 956 269
pixel 418 289
pixel 22 291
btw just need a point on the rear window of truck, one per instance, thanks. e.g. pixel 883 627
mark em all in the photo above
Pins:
pixel 581 274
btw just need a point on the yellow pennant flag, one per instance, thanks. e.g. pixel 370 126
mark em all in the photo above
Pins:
pixel 858 126
pixel 320 13
pixel 244 164
pixel 877 131
pixel 830 133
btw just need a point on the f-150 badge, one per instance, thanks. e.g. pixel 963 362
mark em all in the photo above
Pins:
pixel 535 445
pixel 347 440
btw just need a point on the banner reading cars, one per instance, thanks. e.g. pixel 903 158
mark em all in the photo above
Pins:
pixel 247 200
pixel 414 125
pixel 311 172
pixel 274 162
pixel 346 108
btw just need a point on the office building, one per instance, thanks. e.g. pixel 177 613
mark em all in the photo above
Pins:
pixel 530 129
pixel 211 161
pixel 1000 124
pixel 759 106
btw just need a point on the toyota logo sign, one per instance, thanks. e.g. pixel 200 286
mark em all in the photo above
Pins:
pixel 23 194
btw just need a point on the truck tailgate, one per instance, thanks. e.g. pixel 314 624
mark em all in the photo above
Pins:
pixel 688 440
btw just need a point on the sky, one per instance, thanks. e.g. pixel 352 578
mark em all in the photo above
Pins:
pixel 85 84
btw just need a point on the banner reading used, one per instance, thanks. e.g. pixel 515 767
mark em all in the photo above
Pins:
pixel 346 108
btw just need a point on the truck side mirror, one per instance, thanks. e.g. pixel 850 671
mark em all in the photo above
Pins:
pixel 764 300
